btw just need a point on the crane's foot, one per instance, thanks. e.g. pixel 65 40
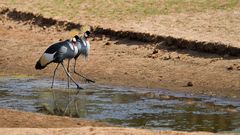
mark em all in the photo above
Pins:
pixel 79 88
pixel 89 81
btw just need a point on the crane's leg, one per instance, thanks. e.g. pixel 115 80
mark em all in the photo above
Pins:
pixel 54 74
pixel 68 72
pixel 53 94
pixel 87 80
pixel 78 87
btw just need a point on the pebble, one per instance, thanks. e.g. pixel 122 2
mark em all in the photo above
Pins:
pixel 108 43
pixel 44 27
pixel 230 68
pixel 189 84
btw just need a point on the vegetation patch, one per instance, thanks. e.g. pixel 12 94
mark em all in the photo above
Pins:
pixel 122 9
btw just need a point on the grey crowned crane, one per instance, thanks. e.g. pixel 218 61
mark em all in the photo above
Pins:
pixel 67 49
pixel 83 46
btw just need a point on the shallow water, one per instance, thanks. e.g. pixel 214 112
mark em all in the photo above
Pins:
pixel 133 107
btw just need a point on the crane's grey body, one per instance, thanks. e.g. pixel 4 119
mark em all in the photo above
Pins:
pixel 63 50
pixel 67 49
pixel 57 53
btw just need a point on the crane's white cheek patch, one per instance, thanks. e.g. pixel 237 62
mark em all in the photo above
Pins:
pixel 46 58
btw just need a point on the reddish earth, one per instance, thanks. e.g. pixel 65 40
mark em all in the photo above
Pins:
pixel 113 62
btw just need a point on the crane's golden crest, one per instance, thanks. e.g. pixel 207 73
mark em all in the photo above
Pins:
pixel 85 28
pixel 80 31
pixel 74 32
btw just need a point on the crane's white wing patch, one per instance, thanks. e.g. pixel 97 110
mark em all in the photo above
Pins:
pixel 46 58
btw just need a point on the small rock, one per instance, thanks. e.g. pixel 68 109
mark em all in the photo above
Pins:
pixel 108 43
pixel 44 27
pixel 230 68
pixel 189 84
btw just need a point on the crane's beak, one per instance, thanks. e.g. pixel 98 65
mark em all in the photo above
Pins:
pixel 90 36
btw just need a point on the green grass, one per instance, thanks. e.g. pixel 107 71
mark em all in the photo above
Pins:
pixel 124 9
pixel 140 8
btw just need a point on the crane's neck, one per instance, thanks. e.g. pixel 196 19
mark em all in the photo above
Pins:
pixel 85 39
pixel 86 42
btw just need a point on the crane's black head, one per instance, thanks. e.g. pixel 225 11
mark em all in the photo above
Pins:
pixel 75 38
pixel 87 34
